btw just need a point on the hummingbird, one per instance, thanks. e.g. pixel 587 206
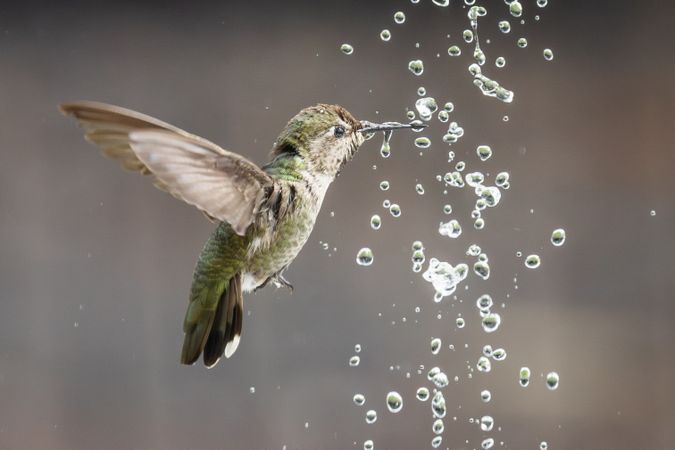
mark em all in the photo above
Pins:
pixel 264 215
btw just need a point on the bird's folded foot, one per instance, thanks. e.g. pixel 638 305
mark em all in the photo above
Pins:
pixel 280 281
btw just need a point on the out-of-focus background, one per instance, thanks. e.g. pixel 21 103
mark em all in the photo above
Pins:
pixel 95 264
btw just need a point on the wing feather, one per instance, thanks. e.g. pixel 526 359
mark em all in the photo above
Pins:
pixel 223 185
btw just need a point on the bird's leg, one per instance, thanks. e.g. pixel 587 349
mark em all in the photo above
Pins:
pixel 280 281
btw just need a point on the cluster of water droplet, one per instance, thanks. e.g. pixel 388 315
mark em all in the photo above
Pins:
pixel 487 188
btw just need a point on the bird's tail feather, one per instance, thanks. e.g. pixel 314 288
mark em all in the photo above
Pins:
pixel 226 329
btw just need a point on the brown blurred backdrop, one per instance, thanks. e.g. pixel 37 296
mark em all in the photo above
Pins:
pixel 95 264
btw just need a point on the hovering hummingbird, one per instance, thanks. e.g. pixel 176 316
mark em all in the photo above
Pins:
pixel 264 214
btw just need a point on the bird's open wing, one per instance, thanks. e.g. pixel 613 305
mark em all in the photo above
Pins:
pixel 222 184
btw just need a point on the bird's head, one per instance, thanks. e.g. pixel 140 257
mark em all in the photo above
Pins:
pixel 326 137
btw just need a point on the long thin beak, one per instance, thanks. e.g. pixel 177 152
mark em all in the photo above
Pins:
pixel 369 127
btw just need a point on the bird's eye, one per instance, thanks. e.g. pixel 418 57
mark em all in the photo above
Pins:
pixel 339 131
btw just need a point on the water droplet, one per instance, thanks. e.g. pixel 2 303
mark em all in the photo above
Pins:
pixel 394 402
pixel 410 115
pixel 451 229
pixel 375 222
pixel 359 399
pixel 422 142
pixel 504 26
pixel 522 42
pixel 441 2
pixel 485 396
pixel 483 364
pixel 422 394
pixel 454 50
pixel 482 269
pixel 459 322
pixel 368 445
pixel 416 66
pixel 444 277
pixel 532 261
pixel 347 49
pixel 487 443
pixel 371 416
pixel 479 224
pixel 384 185
pixel 552 380
pixel 417 245
pixel 443 116
pixel 524 376
pixel 548 54
pixel 543 445
pixel 468 36
pixel 499 354
pixel 652 213
pixel 447 209
pixel 438 426
pixel 395 210
pixel 486 423
pixel 386 204
pixel 385 35
pixel 437 441
pixel 438 405
pixel 354 361
pixel 516 9
pixel 491 322
pixel 500 62
pixel 449 107
pixel 558 237
pixel 426 107
pixel 501 179
pixel 399 17
pixel 474 179
pixel 440 380
pixel 357 348
pixel 364 257
pixel 435 346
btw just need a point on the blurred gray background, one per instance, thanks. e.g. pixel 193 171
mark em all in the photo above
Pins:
pixel 95 264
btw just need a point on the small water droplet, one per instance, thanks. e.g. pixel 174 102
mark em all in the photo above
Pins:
pixel 543 445
pixel 451 229
pixel 460 322
pixel 532 261
pixel 485 396
pixel 552 380
pixel 437 441
pixel 385 35
pixel 354 361
pixel 483 364
pixel 422 394
pixel 359 399
pixel 395 210
pixel 371 416
pixel 375 222
pixel 500 62
pixel 524 376
pixel 487 443
pixel 504 26
pixel 422 142
pixel 454 50
pixel 347 49
pixel 522 42
pixel 399 17
pixel 548 54
pixel 368 445
pixel 486 423
pixel 515 8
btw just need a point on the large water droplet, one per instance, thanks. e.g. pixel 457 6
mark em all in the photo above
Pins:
pixel 426 107
pixel 484 152
pixel 364 257
pixel 516 9
pixel 487 443
pixel 483 364
pixel 454 50
pixel 384 185
pixel 451 229
pixel 416 66
pixel 491 322
pixel 399 17
pixel 368 445
pixel 354 361
pixel 394 402
pixel 422 142
pixel 395 210
pixel 359 399
pixel 486 423
pixel 504 26
pixel 558 237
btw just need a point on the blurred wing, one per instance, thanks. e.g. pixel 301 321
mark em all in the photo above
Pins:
pixel 224 185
